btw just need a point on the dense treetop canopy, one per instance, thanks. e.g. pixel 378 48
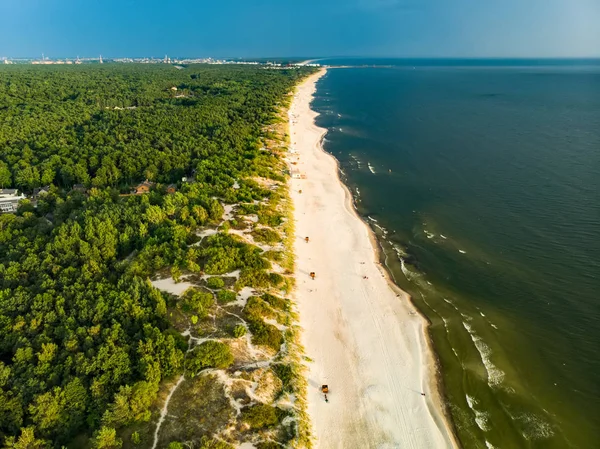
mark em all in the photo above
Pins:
pixel 84 337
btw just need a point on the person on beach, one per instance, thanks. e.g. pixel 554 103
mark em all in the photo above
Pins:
pixel 306 239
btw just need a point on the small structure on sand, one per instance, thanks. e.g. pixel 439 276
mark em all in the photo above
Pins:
pixel 296 174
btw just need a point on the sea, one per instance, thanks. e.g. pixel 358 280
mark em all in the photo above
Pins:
pixel 481 179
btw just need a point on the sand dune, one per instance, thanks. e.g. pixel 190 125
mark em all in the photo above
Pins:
pixel 363 336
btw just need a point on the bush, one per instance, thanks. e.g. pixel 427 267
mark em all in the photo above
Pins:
pixel 261 416
pixel 210 354
pixel 206 443
pixel 225 296
pixel 135 438
pixel 256 309
pixel 266 235
pixel 277 256
pixel 266 334
pixel 255 278
pixel 285 374
pixel 270 218
pixel 175 445
pixel 215 283
pixel 239 331
pixel 268 445
pixel 224 253
pixel 198 302
pixel 276 279
pixel 276 302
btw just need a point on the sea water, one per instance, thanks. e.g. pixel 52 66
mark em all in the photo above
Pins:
pixel 483 181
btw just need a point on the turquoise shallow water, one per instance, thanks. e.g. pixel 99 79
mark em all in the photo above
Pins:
pixel 482 181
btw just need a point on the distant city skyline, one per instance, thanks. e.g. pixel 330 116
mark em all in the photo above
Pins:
pixel 311 28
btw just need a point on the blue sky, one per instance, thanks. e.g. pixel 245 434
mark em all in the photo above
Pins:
pixel 266 28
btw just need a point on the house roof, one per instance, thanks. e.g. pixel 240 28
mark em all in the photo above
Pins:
pixel 39 190
pixel 145 183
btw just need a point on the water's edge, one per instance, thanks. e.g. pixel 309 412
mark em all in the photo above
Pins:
pixel 440 402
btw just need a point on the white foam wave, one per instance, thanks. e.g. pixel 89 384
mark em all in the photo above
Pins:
pixel 535 427
pixel 494 374
pixel 358 164
pixel 443 236
pixel 489 445
pixel 371 167
pixel 452 304
pixel 381 228
pixel 462 252
pixel 428 234
pixel 399 251
pixel 481 418
pixel 409 274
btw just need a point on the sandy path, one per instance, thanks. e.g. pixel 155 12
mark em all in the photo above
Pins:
pixel 366 343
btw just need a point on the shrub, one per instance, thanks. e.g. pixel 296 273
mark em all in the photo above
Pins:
pixel 276 279
pixel 269 218
pixel 256 309
pixel 176 273
pixel 255 278
pixel 175 445
pixel 285 374
pixel 277 256
pixel 210 354
pixel 206 443
pixel 225 296
pixel 135 438
pixel 266 235
pixel 224 253
pixel 215 283
pixel 261 416
pixel 265 334
pixel 276 302
pixel 239 331
pixel 198 302
pixel 268 445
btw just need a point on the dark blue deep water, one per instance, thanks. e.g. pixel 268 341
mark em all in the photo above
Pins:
pixel 482 181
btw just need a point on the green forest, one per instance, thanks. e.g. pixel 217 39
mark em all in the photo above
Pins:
pixel 85 338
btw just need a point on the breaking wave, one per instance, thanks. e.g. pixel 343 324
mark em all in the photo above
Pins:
pixel 481 418
pixel 494 374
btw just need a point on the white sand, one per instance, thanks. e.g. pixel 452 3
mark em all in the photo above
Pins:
pixel 366 342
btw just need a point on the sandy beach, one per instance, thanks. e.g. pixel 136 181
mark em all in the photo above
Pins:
pixel 361 333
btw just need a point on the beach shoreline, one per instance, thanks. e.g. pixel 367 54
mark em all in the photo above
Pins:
pixel 363 335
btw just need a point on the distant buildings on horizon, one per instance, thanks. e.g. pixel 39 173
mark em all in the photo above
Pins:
pixel 166 60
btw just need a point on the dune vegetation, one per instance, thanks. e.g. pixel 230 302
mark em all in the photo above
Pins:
pixel 158 319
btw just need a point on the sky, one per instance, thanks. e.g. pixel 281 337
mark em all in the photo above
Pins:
pixel 302 28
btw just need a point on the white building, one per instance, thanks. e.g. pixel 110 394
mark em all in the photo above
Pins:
pixel 9 200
